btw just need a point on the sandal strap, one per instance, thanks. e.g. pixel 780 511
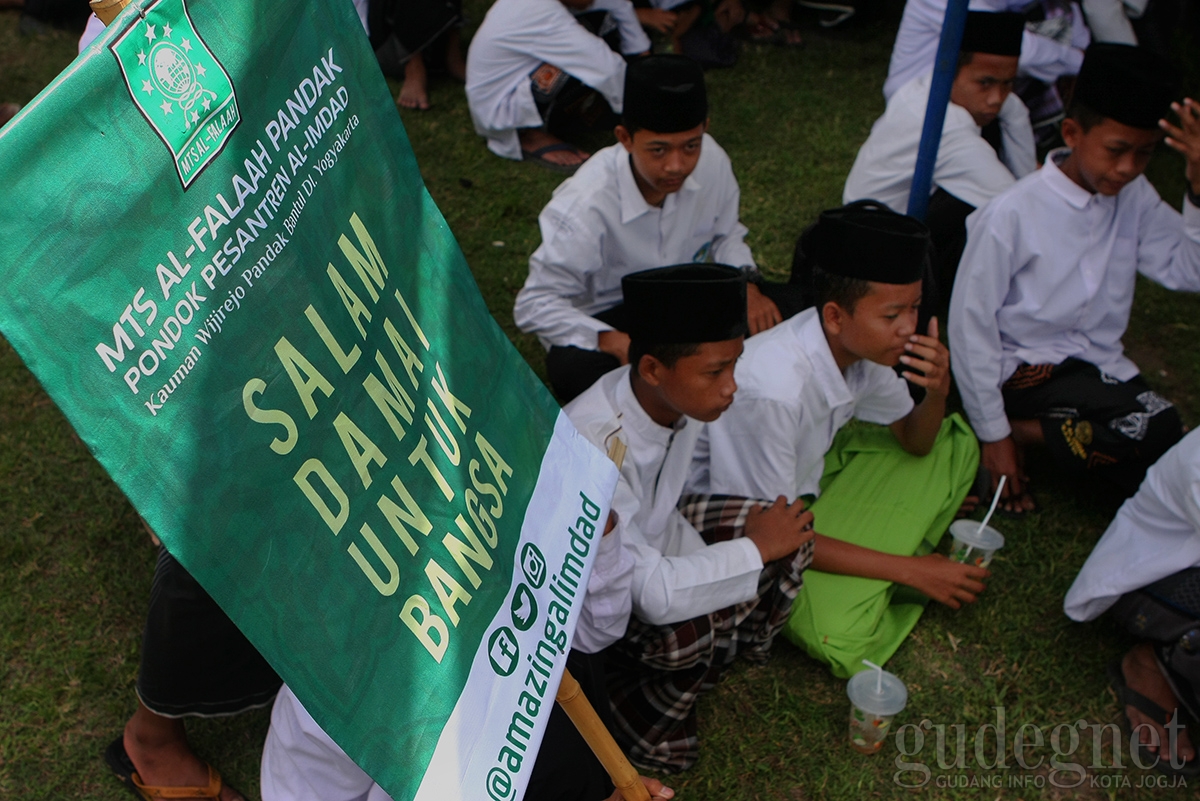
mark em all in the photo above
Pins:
pixel 213 790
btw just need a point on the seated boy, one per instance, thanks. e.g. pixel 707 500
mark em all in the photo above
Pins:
pixel 665 194
pixel 1045 58
pixel 1146 568
pixel 695 605
pixel 1046 284
pixel 885 495
pixel 987 141
pixel 534 69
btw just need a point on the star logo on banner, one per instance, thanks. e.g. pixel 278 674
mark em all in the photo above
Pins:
pixel 207 104
pixel 166 107
pixel 195 117
pixel 167 31
pixel 150 32
pixel 186 45
pixel 141 58
pixel 147 87
pixel 200 70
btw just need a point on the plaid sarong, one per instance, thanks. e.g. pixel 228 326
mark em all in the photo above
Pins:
pixel 657 673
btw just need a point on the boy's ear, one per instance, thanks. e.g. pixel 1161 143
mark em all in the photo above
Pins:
pixel 833 317
pixel 624 137
pixel 1072 132
pixel 650 369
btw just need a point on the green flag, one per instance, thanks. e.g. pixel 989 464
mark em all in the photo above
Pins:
pixel 220 261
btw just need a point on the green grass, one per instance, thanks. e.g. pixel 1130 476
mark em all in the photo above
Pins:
pixel 75 566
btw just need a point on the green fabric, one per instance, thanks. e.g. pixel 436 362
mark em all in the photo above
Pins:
pixel 877 495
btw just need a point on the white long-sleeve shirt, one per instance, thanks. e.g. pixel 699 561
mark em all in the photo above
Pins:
pixel 1155 534
pixel 1048 274
pixel 516 37
pixel 676 576
pixel 792 398
pixel 967 166
pixel 1109 21
pixel 921 28
pixel 598 228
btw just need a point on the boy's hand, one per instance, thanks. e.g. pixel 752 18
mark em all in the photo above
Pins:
pixel 946 582
pixel 614 343
pixel 659 19
pixel 932 358
pixel 761 311
pixel 779 529
pixel 1186 138
pixel 658 791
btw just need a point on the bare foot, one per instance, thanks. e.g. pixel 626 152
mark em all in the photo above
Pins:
pixel 535 139
pixel 1143 674
pixel 455 65
pixel 729 14
pixel 414 93
pixel 159 750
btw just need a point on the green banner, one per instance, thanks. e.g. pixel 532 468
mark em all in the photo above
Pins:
pixel 221 262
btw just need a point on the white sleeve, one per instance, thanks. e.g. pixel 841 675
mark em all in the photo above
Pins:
pixel 558 271
pixel 730 246
pixel 753 450
pixel 633 37
pixel 1020 152
pixel 1168 244
pixel 976 354
pixel 672 589
pixel 606 607
pixel 968 168
pixel 93 29
pixel 560 40
pixel 1047 60
pixel 1108 22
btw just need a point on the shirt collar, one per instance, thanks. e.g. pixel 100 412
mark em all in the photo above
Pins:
pixel 634 417
pixel 826 372
pixel 1067 189
pixel 633 203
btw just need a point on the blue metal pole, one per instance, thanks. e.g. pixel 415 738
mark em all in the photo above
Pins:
pixel 935 111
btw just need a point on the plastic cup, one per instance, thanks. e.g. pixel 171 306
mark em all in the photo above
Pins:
pixel 875 698
pixel 973 546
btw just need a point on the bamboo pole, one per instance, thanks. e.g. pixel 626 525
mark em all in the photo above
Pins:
pixel 107 10
pixel 624 776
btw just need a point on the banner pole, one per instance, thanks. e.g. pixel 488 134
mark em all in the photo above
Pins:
pixel 624 776
pixel 935 111
pixel 107 10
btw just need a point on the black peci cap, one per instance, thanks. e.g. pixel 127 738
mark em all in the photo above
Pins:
pixel 686 303
pixel 1131 85
pixel 998 33
pixel 665 94
pixel 870 243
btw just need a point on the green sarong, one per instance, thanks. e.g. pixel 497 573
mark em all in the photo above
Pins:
pixel 877 495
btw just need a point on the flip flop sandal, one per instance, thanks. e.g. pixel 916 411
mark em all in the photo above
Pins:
pixel 538 157
pixel 122 766
pixel 1127 696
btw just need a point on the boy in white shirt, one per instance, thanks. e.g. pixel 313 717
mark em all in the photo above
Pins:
pixel 886 496
pixel 1044 291
pixel 665 194
pixel 533 69
pixel 697 601
pixel 1146 568
pixel 987 140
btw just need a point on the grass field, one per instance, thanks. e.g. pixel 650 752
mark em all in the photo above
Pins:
pixel 75 566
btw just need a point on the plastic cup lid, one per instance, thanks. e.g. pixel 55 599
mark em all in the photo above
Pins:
pixel 968 531
pixel 890 701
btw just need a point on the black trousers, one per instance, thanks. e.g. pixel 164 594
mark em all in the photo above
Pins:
pixel 194 660
pixel 1094 423
pixel 566 769
pixel 572 370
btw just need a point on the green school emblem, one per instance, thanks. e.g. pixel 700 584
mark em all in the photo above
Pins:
pixel 178 84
